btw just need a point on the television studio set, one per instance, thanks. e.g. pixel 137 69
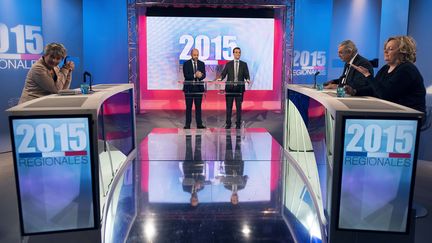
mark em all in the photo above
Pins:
pixel 298 121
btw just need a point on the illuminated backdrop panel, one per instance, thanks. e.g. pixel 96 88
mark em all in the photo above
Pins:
pixel 170 40
pixel 165 44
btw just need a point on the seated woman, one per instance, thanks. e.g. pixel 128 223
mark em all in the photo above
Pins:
pixel 45 77
pixel 398 81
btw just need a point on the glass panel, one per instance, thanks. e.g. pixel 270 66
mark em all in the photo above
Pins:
pixel 122 207
pixel 115 138
pixel 305 142
pixel 116 122
pixel 300 204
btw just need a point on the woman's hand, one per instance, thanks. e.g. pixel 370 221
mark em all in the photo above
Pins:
pixel 362 70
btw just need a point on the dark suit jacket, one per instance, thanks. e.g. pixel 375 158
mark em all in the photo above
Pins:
pixel 404 86
pixel 188 74
pixel 243 73
pixel 354 78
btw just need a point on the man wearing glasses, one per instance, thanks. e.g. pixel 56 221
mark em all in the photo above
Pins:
pixel 348 53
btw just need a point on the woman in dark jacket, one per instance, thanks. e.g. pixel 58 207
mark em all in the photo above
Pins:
pixel 398 81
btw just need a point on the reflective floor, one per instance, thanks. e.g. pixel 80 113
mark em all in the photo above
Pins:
pixel 213 185
pixel 129 223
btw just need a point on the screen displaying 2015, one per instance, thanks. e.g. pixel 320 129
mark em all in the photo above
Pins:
pixel 377 168
pixel 53 165
pixel 170 40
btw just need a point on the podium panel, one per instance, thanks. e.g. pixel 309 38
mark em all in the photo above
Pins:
pixel 359 155
pixel 377 172
pixel 69 154
pixel 53 168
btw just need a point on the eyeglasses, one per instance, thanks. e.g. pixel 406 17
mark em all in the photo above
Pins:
pixel 343 52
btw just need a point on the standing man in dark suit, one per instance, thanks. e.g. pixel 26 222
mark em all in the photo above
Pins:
pixel 348 53
pixel 238 75
pixel 193 87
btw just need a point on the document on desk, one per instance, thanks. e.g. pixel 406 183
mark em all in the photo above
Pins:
pixel 69 92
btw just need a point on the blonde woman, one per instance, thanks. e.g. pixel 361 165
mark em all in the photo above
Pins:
pixel 398 81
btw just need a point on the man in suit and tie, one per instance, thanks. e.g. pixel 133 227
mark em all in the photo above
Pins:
pixel 347 52
pixel 193 88
pixel 238 75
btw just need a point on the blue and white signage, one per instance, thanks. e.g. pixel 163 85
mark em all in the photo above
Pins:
pixel 312 26
pixel 54 173
pixel 377 168
pixel 306 63
pixel 21 44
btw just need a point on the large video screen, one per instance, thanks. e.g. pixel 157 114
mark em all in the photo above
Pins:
pixel 53 170
pixel 166 37
pixel 170 40
pixel 377 168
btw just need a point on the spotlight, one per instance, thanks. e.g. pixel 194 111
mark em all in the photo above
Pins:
pixel 246 231
pixel 149 230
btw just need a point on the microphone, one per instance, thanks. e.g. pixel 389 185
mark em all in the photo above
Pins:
pixel 315 75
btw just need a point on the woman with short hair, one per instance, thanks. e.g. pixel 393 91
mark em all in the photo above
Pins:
pixel 45 77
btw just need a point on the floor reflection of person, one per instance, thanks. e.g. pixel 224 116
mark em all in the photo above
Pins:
pixel 193 169
pixel 234 179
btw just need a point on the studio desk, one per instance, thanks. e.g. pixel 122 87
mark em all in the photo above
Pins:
pixel 358 155
pixel 69 152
